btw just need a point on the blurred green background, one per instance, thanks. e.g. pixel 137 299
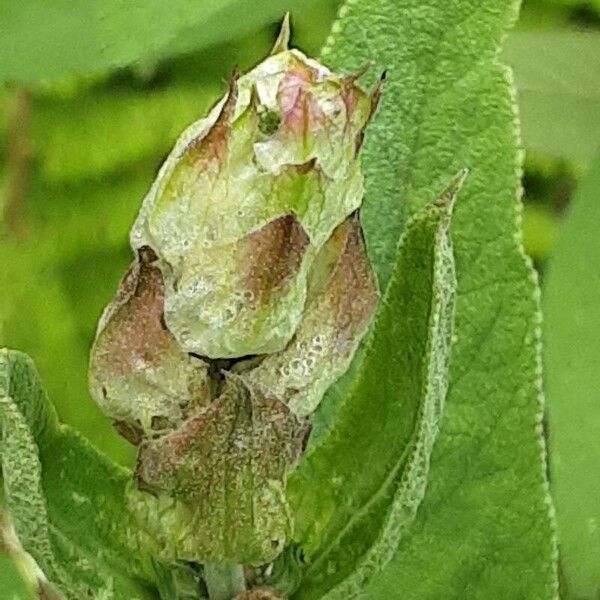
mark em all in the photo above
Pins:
pixel 82 134
pixel 93 96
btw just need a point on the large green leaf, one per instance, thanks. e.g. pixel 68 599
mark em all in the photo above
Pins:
pixel 67 501
pixel 483 529
pixel 572 334
pixel 557 75
pixel 375 464
pixel 75 38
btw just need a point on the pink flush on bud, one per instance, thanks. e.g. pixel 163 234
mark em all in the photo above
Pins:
pixel 249 294
pixel 283 141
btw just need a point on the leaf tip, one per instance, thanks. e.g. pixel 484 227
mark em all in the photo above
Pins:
pixel 455 185
pixel 447 198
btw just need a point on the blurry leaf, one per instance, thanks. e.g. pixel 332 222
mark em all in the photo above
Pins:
pixel 542 15
pixel 87 215
pixel 12 586
pixel 589 4
pixel 107 131
pixel 229 19
pixel 548 15
pixel 483 529
pixel 539 230
pixel 312 23
pixel 354 495
pixel 4 111
pixel 75 38
pixel 66 500
pixel 557 76
pixel 58 281
pixel 572 330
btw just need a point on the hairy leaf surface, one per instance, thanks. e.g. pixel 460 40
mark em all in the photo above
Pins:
pixel 484 528
pixel 378 456
pixel 65 499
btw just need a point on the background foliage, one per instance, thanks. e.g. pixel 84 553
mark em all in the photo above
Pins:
pixel 572 351
pixel 87 118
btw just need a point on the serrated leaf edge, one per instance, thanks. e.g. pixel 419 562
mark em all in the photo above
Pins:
pixel 533 281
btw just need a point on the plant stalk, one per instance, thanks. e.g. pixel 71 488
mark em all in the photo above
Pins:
pixel 18 159
pixel 224 582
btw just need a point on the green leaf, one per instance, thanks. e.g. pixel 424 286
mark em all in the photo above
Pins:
pixel 593 5
pixel 12 586
pixel 557 75
pixel 72 38
pixel 66 500
pixel 107 131
pixel 62 288
pixel 572 334
pixel 483 529
pixel 354 495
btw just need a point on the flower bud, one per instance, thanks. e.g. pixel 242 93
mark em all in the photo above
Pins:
pixel 139 375
pixel 276 157
pixel 341 300
pixel 250 292
pixel 226 467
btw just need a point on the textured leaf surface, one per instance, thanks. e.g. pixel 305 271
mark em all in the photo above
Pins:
pixel 483 529
pixel 557 75
pixel 355 494
pixel 572 334
pixel 66 500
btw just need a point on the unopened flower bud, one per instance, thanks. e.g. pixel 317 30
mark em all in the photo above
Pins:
pixel 139 375
pixel 273 164
pixel 249 295
pixel 341 300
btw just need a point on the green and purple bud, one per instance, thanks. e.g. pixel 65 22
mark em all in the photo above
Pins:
pixel 225 469
pixel 139 375
pixel 341 297
pixel 248 297
pixel 246 200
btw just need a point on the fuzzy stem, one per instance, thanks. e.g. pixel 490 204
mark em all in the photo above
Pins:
pixel 224 582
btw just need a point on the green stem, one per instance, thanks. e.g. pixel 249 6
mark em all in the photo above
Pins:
pixel 224 582
pixel 17 163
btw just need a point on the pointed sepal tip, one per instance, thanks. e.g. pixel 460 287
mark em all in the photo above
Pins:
pixel 282 43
